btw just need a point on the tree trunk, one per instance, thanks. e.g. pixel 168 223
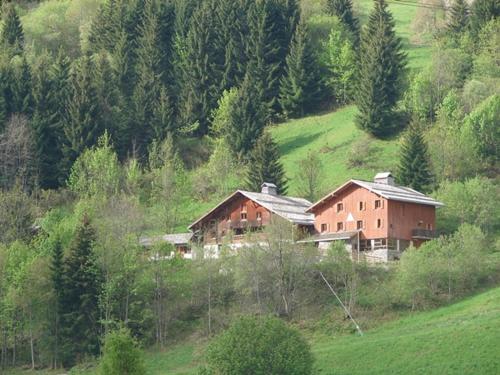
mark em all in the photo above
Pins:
pixel 32 344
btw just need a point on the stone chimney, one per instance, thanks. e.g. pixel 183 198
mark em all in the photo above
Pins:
pixel 269 188
pixel 385 178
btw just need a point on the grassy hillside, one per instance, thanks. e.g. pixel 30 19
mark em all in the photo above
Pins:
pixel 459 339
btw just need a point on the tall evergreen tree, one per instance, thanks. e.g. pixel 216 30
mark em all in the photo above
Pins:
pixel 342 9
pixel 44 122
pixel 300 85
pixel 246 119
pixel 459 17
pixel 483 11
pixel 414 166
pixel 268 46
pixel 382 64
pixel 57 278
pixel 202 67
pixel 82 124
pixel 265 166
pixel 80 301
pixel 12 35
pixel 21 99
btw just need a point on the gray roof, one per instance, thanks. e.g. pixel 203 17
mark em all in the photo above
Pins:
pixel 174 239
pixel 326 237
pixel 390 192
pixel 290 208
pixel 398 193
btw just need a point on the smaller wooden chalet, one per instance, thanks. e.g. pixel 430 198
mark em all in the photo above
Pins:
pixel 377 220
pixel 180 241
pixel 245 211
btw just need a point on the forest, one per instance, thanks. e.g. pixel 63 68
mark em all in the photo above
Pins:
pixel 121 119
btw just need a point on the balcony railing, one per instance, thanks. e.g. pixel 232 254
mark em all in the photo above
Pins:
pixel 426 234
pixel 242 224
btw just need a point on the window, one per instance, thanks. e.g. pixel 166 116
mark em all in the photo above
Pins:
pixel 378 203
pixel 362 206
pixel 340 226
pixel 359 224
pixel 379 223
pixel 324 228
pixel 340 207
pixel 429 226
pixel 259 215
pixel 243 208
pixel 243 216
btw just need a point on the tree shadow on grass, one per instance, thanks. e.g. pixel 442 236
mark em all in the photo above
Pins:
pixel 297 142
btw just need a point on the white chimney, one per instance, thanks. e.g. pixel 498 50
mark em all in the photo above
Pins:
pixel 385 178
pixel 269 188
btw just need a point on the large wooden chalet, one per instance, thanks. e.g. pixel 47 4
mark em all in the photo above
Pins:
pixel 245 211
pixel 375 220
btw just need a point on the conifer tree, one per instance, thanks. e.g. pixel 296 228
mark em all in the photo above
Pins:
pixel 57 278
pixel 342 9
pixel 80 300
pixel 300 85
pixel 246 119
pixel 459 17
pixel 268 46
pixel 45 125
pixel 12 36
pixel 82 124
pixel 382 64
pixel 21 99
pixel 482 11
pixel 265 166
pixel 3 108
pixel 202 66
pixel 414 167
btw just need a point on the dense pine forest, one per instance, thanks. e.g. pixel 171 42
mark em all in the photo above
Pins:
pixel 121 119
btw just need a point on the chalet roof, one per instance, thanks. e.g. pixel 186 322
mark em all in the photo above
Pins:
pixel 174 239
pixel 290 208
pixel 390 192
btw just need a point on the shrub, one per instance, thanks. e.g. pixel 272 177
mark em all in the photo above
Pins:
pixel 121 355
pixel 259 346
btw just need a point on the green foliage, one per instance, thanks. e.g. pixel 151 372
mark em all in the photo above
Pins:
pixel 259 346
pixel 300 84
pixel 443 268
pixel 483 11
pixel 18 214
pixel 414 165
pixel 246 120
pixel 382 63
pixel 265 165
pixel 309 177
pixel 340 60
pixel 468 202
pixel 96 173
pixel 343 10
pixel 121 356
pixel 12 35
pixel 483 124
pixel 459 17
pixel 221 116
pixel 80 298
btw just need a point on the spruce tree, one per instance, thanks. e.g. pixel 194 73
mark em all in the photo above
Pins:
pixel 414 167
pixel 382 64
pixel 268 47
pixel 483 11
pixel 202 67
pixel 300 85
pixel 82 124
pixel 21 99
pixel 12 36
pixel 80 300
pixel 246 119
pixel 265 166
pixel 57 278
pixel 342 9
pixel 459 17
pixel 3 108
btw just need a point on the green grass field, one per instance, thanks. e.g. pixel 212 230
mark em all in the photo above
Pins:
pixel 459 339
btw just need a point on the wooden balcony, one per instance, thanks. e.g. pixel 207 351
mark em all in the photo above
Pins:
pixel 424 234
pixel 243 224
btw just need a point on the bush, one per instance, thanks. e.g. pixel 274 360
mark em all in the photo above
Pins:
pixel 121 355
pixel 259 346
